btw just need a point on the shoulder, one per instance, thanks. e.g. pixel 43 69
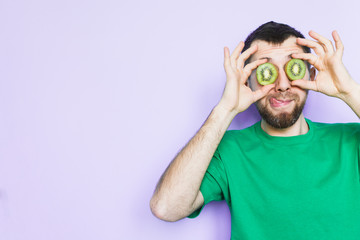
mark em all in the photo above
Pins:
pixel 335 126
pixel 248 132
pixel 336 129
pixel 238 138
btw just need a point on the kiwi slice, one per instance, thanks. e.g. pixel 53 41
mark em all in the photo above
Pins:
pixel 266 74
pixel 295 69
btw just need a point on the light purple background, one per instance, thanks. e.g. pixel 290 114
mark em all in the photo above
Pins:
pixel 97 97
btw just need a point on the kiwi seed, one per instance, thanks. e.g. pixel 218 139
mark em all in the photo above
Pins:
pixel 295 69
pixel 266 74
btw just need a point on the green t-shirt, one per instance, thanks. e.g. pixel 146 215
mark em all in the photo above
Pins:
pixel 301 187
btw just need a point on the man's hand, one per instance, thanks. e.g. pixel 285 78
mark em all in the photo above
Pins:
pixel 332 78
pixel 238 96
pixel 178 193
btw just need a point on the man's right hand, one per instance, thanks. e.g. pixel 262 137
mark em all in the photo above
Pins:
pixel 237 95
pixel 178 193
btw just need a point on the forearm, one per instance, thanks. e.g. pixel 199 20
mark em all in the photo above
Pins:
pixel 179 186
pixel 352 99
pixel 177 193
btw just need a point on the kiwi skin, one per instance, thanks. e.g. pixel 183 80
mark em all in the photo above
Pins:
pixel 295 69
pixel 266 74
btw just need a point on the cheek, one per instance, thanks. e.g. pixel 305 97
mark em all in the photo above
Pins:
pixel 302 94
pixel 263 102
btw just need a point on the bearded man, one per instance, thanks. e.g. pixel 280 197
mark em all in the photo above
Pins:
pixel 285 177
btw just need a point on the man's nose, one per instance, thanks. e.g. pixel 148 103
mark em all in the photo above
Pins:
pixel 282 82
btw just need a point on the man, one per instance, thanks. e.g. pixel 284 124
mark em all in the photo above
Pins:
pixel 285 177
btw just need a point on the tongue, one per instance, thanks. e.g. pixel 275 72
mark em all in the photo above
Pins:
pixel 278 103
pixel 274 100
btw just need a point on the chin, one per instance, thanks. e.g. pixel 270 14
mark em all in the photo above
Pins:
pixel 283 119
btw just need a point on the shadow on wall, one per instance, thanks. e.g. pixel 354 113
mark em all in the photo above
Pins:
pixel 219 214
pixel 246 118
pixel 211 93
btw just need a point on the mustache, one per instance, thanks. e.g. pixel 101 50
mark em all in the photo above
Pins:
pixel 283 95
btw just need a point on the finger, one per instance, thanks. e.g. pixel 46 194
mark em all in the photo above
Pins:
pixel 311 58
pixel 227 61
pixel 236 53
pixel 226 56
pixel 262 92
pixel 245 55
pixel 304 84
pixel 250 67
pixel 338 43
pixel 318 49
pixel 326 43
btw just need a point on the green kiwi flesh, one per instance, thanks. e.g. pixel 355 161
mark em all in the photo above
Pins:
pixel 266 74
pixel 295 69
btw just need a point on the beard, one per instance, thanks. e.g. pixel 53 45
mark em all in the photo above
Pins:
pixel 283 119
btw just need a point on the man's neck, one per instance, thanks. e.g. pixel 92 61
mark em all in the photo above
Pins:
pixel 300 127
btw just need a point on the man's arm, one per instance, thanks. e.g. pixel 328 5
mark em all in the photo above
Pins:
pixel 353 99
pixel 177 194
pixel 332 79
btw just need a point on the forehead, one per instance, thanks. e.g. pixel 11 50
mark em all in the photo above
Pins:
pixel 276 51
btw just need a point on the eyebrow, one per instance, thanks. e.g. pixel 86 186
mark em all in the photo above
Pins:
pixel 269 58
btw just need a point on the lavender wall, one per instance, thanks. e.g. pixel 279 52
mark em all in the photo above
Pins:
pixel 96 98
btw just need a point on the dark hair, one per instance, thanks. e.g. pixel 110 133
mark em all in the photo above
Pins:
pixel 275 33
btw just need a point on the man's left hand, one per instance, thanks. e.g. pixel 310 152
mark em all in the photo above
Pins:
pixel 332 77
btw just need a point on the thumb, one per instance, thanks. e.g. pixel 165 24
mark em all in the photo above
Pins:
pixel 304 84
pixel 263 91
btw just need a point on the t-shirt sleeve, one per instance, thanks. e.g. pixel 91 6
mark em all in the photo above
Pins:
pixel 214 183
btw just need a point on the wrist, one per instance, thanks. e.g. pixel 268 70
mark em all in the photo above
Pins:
pixel 353 96
pixel 224 111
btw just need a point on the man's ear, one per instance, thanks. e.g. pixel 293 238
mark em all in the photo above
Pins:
pixel 312 74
